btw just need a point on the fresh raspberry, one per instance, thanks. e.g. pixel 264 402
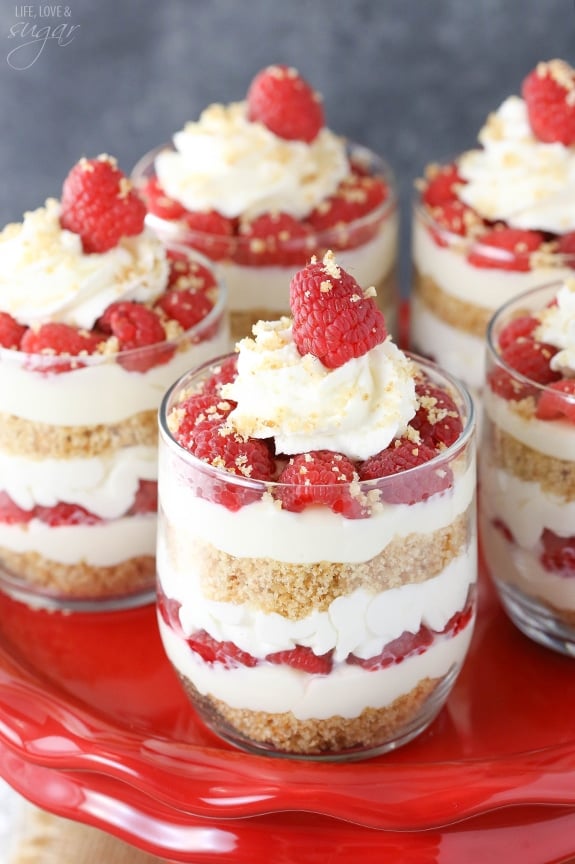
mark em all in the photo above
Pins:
pixel 523 326
pixel 283 101
pixel 442 186
pixel 453 217
pixel 11 332
pixel 195 413
pixel 65 514
pixel 274 239
pixel 437 419
pixel 212 233
pixel 159 203
pixel 319 477
pixel 146 500
pixel 188 308
pixel 99 204
pixel 332 318
pixel 558 555
pixel 188 274
pixel 566 246
pixel 303 659
pixel 342 214
pixel 11 514
pixel 503 529
pixel 510 249
pixel 401 455
pixel 56 338
pixel 224 373
pixel 557 401
pixel 169 610
pixel 406 645
pixel 226 653
pixel 458 621
pixel 136 326
pixel 549 93
pixel 244 457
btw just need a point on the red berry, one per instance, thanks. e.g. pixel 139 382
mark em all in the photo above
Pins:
pixel 188 274
pixel 211 233
pixel 11 514
pixel 557 401
pixel 566 246
pixel 406 645
pixel 11 332
pixel 508 249
pixel 146 500
pixel 59 339
pixel 169 609
pixel 549 93
pixel 319 477
pixel 66 514
pixel 452 217
pixel 558 555
pixel 226 653
pixel 442 186
pixel 531 359
pixel 223 373
pixel 437 419
pixel 196 412
pixel 279 98
pixel 332 319
pixel 524 325
pixel 188 308
pixel 274 239
pixel 136 326
pixel 356 197
pixel 304 659
pixel 99 204
pixel 159 203
pixel 402 455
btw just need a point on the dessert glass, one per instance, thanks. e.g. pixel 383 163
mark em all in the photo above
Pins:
pixel 310 634
pixel 257 285
pixel 78 466
pixel 527 489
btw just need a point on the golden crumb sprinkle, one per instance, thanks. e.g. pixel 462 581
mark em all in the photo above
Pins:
pixel 330 266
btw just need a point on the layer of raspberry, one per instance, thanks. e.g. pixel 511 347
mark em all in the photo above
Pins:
pixel 557 553
pixel 64 513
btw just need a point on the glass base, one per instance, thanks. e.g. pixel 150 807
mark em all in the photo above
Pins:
pixel 535 620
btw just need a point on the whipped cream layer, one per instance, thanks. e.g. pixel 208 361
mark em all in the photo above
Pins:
pixel 360 623
pixel 509 562
pixel 46 276
pixel 345 692
pixel 554 438
pixel 228 163
pixel 104 544
pixel 262 529
pixel 102 392
pixel 518 179
pixel 557 327
pixel 105 485
pixel 356 408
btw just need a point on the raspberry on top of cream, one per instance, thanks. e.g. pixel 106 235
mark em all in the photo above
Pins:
pixel 229 163
pixel 46 276
pixel 557 328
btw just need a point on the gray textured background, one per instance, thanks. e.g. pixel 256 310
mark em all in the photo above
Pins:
pixel 412 79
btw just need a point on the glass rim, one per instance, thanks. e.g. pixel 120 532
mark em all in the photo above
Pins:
pixel 466 407
pixel 46 361
pixel 496 320
pixel 143 169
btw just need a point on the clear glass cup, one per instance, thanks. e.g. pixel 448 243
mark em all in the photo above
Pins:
pixel 78 466
pixel 258 289
pixel 452 299
pixel 333 633
pixel 527 491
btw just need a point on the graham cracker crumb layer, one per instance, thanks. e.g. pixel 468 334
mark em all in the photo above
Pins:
pixel 554 476
pixel 459 314
pixel 242 320
pixel 81 579
pixel 19 437
pixel 296 590
pixel 284 732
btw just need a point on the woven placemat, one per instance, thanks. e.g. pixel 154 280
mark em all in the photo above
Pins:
pixel 47 839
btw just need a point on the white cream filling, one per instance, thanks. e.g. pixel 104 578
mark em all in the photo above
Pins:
pixel 105 485
pixel 104 544
pixel 554 438
pixel 345 692
pixel 359 623
pixel 263 529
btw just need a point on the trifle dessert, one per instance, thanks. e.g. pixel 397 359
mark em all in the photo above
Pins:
pixel 97 319
pixel 528 462
pixel 495 222
pixel 316 543
pixel 261 184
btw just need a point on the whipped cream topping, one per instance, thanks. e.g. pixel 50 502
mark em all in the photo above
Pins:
pixel 557 328
pixel 228 163
pixel 355 409
pixel 517 178
pixel 46 276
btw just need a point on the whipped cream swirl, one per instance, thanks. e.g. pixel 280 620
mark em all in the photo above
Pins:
pixel 46 276
pixel 517 178
pixel 557 327
pixel 228 163
pixel 355 409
